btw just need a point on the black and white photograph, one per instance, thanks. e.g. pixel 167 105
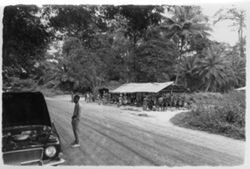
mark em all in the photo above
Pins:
pixel 124 84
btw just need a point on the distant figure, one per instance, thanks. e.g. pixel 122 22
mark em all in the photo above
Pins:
pixel 105 97
pixel 99 99
pixel 178 102
pixel 87 97
pixel 161 103
pixel 75 120
pixel 190 102
pixel 109 98
pixel 120 100
pixel 72 96
pixel 171 100
pixel 150 103
pixel 167 100
pixel 125 100
pixel 145 103
pixel 183 101
pixel 92 99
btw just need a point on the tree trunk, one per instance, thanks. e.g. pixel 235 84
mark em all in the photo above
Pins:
pixel 134 59
pixel 208 86
pixel 240 35
pixel 157 69
pixel 177 76
pixel 179 61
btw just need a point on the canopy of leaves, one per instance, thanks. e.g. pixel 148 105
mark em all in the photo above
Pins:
pixel 139 18
pixel 25 40
pixel 186 22
pixel 156 58
pixel 211 70
pixel 75 21
pixel 214 70
pixel 103 44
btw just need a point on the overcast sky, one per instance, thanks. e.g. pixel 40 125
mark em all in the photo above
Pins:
pixel 222 32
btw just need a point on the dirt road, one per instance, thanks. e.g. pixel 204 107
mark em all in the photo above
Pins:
pixel 112 136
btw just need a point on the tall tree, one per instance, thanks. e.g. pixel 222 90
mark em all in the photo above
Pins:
pixel 189 72
pixel 185 23
pixel 155 57
pixel 88 67
pixel 214 70
pixel 137 20
pixel 238 65
pixel 237 17
pixel 25 40
pixel 81 21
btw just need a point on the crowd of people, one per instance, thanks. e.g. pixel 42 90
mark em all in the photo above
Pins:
pixel 103 98
pixel 164 101
pixel 157 102
pixel 89 97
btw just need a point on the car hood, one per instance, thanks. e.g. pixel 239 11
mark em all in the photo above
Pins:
pixel 26 108
pixel 23 137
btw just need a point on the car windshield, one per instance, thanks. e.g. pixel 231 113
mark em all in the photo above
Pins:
pixel 21 109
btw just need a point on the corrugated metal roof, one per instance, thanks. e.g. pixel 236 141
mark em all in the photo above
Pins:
pixel 141 87
pixel 241 88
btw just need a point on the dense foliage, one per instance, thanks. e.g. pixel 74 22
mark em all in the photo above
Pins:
pixel 95 45
pixel 216 113
pixel 25 41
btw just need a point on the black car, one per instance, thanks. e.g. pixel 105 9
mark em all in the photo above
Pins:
pixel 29 136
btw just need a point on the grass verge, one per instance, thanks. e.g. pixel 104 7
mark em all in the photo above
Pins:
pixel 225 116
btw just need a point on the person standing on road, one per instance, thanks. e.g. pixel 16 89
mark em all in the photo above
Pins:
pixel 75 120
pixel 120 100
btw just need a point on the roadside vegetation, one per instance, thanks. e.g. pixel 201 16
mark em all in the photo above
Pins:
pixel 61 49
pixel 30 85
pixel 216 113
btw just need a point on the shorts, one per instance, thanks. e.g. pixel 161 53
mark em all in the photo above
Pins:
pixel 75 125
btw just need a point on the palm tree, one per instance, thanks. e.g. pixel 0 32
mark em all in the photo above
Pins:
pixel 185 23
pixel 238 66
pixel 214 70
pixel 188 72
pixel 237 17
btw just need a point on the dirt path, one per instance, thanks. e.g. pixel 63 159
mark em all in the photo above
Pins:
pixel 112 136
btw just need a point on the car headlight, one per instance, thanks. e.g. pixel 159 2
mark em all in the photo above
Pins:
pixel 50 151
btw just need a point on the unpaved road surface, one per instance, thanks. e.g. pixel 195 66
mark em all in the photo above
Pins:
pixel 113 136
